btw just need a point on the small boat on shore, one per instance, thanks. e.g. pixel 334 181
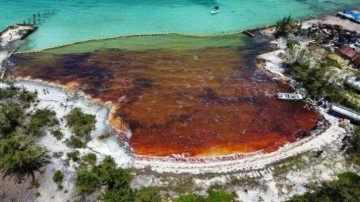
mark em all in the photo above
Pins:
pixel 215 10
pixel 289 96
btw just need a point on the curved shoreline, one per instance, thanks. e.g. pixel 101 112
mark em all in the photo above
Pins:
pixel 256 161
pixel 237 162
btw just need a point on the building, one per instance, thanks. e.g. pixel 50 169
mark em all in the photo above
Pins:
pixel 349 53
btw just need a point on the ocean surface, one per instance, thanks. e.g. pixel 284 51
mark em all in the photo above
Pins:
pixel 68 21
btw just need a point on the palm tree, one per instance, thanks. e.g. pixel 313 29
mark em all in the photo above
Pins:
pixel 21 159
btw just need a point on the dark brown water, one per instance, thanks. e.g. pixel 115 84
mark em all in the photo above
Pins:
pixel 202 101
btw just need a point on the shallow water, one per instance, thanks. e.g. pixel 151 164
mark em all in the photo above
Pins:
pixel 201 99
pixel 67 21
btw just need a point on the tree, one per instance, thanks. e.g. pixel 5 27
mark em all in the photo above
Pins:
pixel 20 158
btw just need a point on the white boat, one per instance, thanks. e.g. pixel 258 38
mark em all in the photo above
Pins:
pixel 289 96
pixel 215 10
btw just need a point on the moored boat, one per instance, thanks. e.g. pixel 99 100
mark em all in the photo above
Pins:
pixel 215 10
pixel 289 96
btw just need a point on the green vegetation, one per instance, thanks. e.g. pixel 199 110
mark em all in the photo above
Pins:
pixel 73 156
pixel 82 124
pixel 318 72
pixel 214 196
pixel 181 186
pixel 11 116
pixel 355 147
pixel 290 44
pixel 91 178
pixel 89 158
pixel 190 198
pixel 322 82
pixel 21 95
pixel 284 27
pixel 147 194
pixel 74 142
pixel 58 176
pixel 18 156
pixel 57 134
pixel 346 188
pixel 41 118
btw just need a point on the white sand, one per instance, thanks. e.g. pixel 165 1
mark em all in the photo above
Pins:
pixel 14 34
pixel 6 38
pixel 56 99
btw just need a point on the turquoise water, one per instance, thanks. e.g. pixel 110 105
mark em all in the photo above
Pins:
pixel 67 21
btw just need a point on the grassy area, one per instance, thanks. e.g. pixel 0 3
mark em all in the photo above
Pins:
pixel 346 188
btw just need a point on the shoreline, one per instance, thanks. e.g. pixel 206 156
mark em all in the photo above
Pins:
pixel 176 164
pixel 239 32
pixel 233 163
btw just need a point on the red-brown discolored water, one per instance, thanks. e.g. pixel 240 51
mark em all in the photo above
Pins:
pixel 199 102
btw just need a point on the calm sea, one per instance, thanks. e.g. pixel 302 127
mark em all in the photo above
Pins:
pixel 67 21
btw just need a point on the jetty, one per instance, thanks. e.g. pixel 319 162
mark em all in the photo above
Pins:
pixel 7 47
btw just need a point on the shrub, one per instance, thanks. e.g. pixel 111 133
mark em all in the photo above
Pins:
pixel 214 196
pixel 89 158
pixel 58 176
pixel 147 194
pixel 74 156
pixel 86 181
pixel 122 195
pixel 74 142
pixel 27 97
pixel 41 118
pixel 57 134
pixel 11 116
pixel 116 180
pixel 190 198
pixel 355 146
pixel 346 188
pixel 220 196
pixel 81 123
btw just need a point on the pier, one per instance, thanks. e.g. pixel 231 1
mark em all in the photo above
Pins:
pixel 9 35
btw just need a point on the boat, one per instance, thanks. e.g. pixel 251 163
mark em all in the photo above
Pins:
pixel 289 96
pixel 352 15
pixel 215 10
